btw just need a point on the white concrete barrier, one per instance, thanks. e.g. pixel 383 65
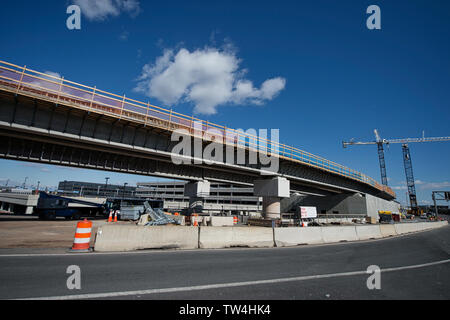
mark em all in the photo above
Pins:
pixel 227 237
pixel 368 232
pixel 222 221
pixel 115 237
pixel 287 237
pixel 338 234
pixel 387 230
pixel 402 228
pixel 128 238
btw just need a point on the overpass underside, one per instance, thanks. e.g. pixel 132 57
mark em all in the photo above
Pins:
pixel 36 130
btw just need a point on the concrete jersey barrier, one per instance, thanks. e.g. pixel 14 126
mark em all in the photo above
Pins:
pixel 287 237
pixel 128 238
pixel 338 234
pixel 227 237
pixel 402 228
pixel 368 232
pixel 387 230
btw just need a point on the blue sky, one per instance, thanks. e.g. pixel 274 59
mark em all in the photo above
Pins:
pixel 333 78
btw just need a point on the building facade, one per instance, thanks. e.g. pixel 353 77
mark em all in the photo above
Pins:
pixel 223 198
pixel 89 189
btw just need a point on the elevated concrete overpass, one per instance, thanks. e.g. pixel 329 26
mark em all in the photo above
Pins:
pixel 51 120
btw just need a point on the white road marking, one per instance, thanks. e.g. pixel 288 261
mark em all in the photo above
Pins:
pixel 228 285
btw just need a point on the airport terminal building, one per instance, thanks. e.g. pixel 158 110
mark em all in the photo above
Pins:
pixel 223 198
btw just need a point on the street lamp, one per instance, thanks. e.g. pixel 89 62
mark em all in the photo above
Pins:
pixel 124 186
pixel 106 186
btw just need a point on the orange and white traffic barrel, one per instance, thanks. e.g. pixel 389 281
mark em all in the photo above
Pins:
pixel 235 220
pixel 82 239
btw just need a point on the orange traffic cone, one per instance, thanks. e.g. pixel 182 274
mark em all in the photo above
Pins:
pixel 115 216
pixel 82 239
pixel 110 216
pixel 195 220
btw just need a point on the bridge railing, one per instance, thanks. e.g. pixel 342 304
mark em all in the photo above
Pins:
pixel 50 87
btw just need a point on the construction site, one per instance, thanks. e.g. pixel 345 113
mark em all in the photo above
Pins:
pixel 291 150
pixel 308 195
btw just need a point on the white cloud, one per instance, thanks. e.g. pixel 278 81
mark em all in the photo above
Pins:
pixel 433 185
pixel 124 36
pixel 53 78
pixel 103 9
pixel 53 74
pixel 423 185
pixel 206 77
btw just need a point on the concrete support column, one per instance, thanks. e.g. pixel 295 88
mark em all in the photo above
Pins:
pixel 272 207
pixel 195 205
pixel 272 191
pixel 196 191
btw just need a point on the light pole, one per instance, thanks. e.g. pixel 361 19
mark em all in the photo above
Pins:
pixel 124 186
pixel 106 186
pixel 38 185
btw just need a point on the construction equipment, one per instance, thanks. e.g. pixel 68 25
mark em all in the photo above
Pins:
pixel 439 196
pixel 406 161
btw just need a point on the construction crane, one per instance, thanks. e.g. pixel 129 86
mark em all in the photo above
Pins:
pixel 406 160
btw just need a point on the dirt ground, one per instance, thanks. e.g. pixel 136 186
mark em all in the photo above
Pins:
pixel 30 232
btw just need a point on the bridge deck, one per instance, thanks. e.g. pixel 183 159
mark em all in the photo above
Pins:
pixel 24 81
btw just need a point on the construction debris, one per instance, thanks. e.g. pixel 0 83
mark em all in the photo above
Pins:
pixel 157 216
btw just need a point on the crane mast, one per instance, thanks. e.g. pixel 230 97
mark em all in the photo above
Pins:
pixel 410 179
pixel 406 160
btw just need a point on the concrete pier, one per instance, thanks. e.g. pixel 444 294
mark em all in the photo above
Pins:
pixel 197 191
pixel 272 190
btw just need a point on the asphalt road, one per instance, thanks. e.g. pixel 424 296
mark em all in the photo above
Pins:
pixel 415 266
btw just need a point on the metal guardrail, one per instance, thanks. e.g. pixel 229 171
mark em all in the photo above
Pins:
pixel 32 83
pixel 340 215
